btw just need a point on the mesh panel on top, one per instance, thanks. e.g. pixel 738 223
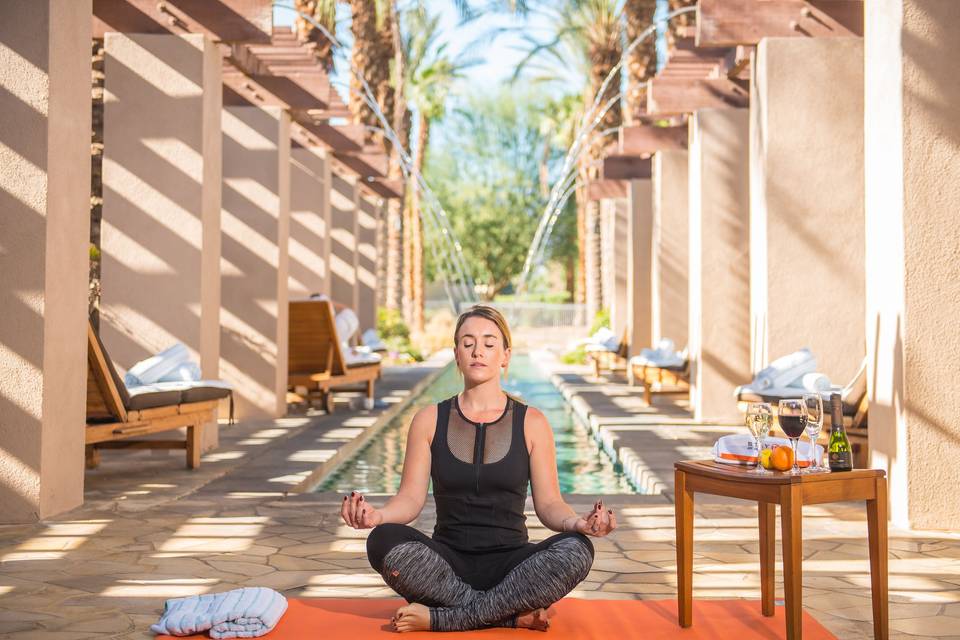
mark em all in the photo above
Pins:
pixel 461 436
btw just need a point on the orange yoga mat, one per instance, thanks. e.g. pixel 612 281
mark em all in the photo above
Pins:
pixel 576 619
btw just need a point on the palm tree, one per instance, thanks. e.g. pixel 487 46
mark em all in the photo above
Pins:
pixel 430 74
pixel 642 61
pixel 371 54
pixel 586 36
pixel 324 12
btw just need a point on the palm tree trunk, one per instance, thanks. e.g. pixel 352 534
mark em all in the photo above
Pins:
pixel 395 251
pixel 642 61
pixel 604 54
pixel 306 32
pixel 679 24
pixel 416 230
pixel 371 57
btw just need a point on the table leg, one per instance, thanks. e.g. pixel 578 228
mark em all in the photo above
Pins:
pixel 684 513
pixel 877 533
pixel 791 507
pixel 768 523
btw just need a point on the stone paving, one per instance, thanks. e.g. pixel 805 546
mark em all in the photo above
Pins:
pixel 151 531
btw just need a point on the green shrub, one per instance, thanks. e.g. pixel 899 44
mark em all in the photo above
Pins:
pixel 390 324
pixel 602 319
pixel 577 356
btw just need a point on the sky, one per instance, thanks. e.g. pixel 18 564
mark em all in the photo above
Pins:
pixel 497 58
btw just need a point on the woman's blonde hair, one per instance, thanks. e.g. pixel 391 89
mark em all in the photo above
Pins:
pixel 489 313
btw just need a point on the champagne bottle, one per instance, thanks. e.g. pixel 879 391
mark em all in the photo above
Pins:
pixel 840 454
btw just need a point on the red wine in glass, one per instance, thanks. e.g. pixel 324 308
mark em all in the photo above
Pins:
pixel 793 426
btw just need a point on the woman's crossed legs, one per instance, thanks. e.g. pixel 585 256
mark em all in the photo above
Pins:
pixel 415 567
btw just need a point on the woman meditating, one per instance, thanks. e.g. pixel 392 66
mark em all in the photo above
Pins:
pixel 481 448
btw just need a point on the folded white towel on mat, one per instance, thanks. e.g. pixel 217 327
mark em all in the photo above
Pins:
pixel 248 612
pixel 664 354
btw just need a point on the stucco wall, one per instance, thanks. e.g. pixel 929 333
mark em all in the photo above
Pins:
pixel 639 258
pixel 367 220
pixel 160 234
pixel 255 231
pixel 806 213
pixel 719 322
pixel 912 179
pixel 44 199
pixel 671 238
pixel 344 196
pixel 309 221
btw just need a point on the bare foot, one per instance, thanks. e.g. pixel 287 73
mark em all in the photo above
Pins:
pixel 412 617
pixel 536 620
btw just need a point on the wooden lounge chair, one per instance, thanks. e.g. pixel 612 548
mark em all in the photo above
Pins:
pixel 603 359
pixel 317 361
pixel 660 380
pixel 115 415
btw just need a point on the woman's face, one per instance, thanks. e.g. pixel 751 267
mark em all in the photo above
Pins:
pixel 480 352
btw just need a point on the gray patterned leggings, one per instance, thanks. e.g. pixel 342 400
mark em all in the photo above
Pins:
pixel 474 591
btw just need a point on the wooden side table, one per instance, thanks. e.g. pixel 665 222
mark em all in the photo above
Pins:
pixel 791 493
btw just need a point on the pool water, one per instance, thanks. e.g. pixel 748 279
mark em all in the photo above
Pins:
pixel 582 467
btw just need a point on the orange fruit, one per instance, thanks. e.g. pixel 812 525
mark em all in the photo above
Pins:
pixel 782 458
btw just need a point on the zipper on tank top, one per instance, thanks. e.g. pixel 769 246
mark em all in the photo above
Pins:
pixel 478 453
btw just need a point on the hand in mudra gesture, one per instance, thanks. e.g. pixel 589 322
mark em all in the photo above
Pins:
pixel 598 522
pixel 358 513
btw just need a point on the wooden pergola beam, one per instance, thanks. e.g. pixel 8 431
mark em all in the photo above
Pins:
pixel 221 20
pixel 602 189
pixel 647 139
pixel 728 23
pixel 666 96
pixel 626 167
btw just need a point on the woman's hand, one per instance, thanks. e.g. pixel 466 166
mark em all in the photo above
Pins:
pixel 358 513
pixel 598 522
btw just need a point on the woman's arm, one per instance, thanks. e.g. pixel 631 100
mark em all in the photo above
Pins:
pixel 404 507
pixel 548 502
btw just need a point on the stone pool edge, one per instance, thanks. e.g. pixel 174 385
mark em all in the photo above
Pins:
pixel 646 481
pixel 310 483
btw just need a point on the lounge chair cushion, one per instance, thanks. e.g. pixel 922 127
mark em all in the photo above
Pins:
pixel 150 396
pixel 203 390
pixel 749 393
pixel 154 368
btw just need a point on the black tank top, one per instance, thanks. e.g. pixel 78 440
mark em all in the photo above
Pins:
pixel 480 476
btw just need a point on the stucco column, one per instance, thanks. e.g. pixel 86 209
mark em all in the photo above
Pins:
pixel 912 180
pixel 44 205
pixel 309 221
pixel 256 226
pixel 671 239
pixel 344 203
pixel 616 257
pixel 806 202
pixel 639 257
pixel 607 219
pixel 368 218
pixel 719 322
pixel 160 232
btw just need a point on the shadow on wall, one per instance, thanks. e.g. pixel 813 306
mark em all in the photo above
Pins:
pixel 251 258
pixel 343 213
pixel 152 230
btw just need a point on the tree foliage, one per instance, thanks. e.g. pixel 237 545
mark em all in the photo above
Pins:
pixel 485 169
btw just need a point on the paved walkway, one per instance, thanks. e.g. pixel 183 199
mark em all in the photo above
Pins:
pixel 150 531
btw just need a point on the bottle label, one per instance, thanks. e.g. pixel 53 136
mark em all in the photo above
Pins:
pixel 841 460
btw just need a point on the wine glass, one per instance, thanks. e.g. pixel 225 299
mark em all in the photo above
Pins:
pixel 792 417
pixel 758 418
pixel 813 404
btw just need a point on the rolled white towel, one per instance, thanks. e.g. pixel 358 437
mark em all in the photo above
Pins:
pixel 154 368
pixel 812 382
pixel 186 372
pixel 784 370
pixel 371 338
pixel 347 324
